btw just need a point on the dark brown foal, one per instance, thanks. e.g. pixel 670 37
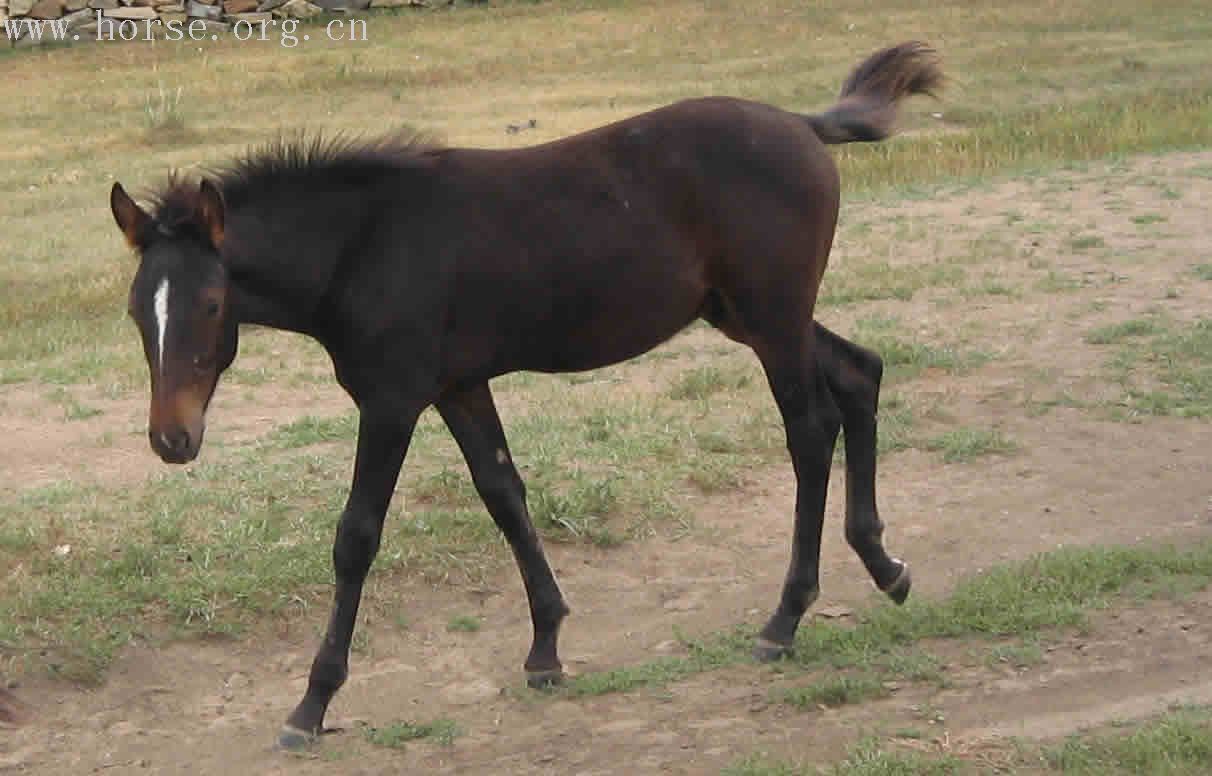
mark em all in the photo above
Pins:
pixel 426 271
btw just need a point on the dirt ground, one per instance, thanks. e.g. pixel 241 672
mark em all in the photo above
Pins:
pixel 1077 477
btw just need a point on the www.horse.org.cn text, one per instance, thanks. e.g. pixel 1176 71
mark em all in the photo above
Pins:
pixel 285 32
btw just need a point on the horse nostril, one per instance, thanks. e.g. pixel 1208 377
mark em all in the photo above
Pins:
pixel 176 442
pixel 180 442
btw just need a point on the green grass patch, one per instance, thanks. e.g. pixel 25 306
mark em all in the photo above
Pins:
pixel 1019 654
pixel 398 734
pixel 1148 218
pixel 1202 271
pixel 880 280
pixel 964 444
pixel 703 381
pixel 1168 373
pixel 867 758
pixel 716 651
pixel 578 511
pixel 894 431
pixel 761 765
pixel 311 430
pixel 1177 744
pixel 1086 242
pixel 904 357
pixel 464 623
pixel 1057 282
pixel 1114 333
pixel 834 691
pixel 864 678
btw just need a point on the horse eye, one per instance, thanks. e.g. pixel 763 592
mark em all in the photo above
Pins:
pixel 201 363
pixel 212 309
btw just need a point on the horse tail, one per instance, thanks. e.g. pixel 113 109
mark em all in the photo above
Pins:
pixel 866 108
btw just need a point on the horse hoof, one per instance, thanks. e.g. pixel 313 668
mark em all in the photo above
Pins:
pixel 292 739
pixel 898 591
pixel 542 680
pixel 767 651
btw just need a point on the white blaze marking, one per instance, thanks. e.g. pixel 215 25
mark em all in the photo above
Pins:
pixel 161 308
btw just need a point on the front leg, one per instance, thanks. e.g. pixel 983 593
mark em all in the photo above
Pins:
pixel 383 438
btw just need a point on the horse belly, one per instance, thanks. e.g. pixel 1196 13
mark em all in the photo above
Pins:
pixel 634 310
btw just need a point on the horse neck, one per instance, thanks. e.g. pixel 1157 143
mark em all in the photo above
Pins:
pixel 281 275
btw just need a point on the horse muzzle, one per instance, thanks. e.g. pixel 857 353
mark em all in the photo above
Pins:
pixel 176 445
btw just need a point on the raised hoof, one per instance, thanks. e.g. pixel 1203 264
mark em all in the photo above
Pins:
pixel 767 651
pixel 898 591
pixel 544 680
pixel 292 739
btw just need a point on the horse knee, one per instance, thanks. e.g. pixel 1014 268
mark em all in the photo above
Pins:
pixel 357 543
pixel 811 435
pixel 501 488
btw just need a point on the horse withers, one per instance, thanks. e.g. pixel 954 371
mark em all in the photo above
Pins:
pixel 426 271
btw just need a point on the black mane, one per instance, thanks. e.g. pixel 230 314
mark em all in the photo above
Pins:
pixel 299 163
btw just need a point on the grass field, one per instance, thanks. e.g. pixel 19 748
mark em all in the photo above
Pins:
pixel 1030 257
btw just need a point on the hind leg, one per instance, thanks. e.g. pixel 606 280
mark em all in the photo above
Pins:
pixel 853 374
pixel 812 420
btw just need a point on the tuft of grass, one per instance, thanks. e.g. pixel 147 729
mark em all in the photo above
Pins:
pixel 882 280
pixel 905 358
pixel 717 651
pixel 446 486
pixel 913 665
pixel 1055 282
pixel 869 758
pixel 73 408
pixel 464 623
pixel 704 381
pixel 578 511
pixel 1114 333
pixel 872 679
pixel 1022 654
pixel 1148 218
pixel 398 734
pixel 1086 242
pixel 1202 271
pixel 960 445
pixel 312 430
pixel 162 111
pixel 716 476
pixel 761 765
pixel 897 421
pixel 835 691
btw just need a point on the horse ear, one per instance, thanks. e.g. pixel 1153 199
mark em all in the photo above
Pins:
pixel 211 212
pixel 129 216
